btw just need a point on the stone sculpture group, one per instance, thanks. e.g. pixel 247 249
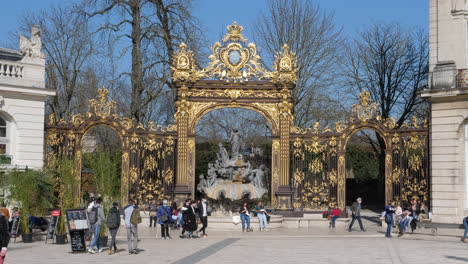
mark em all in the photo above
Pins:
pixel 231 177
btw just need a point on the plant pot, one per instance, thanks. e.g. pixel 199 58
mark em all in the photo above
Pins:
pixel 60 239
pixel 103 241
pixel 27 238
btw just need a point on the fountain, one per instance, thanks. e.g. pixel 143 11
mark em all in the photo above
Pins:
pixel 231 180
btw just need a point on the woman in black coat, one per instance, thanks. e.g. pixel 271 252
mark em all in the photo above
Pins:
pixel 190 219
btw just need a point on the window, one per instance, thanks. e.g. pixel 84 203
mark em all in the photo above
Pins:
pixel 4 140
pixel 3 128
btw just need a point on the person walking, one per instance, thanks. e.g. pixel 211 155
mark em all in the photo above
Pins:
pixel 335 214
pixel 183 217
pixel 152 208
pixel 164 219
pixel 262 216
pixel 203 214
pixel 465 224
pixel 113 223
pixel 132 227
pixel 356 214
pixel 245 217
pixel 389 211
pixel 190 219
pixel 96 218
pixel 4 236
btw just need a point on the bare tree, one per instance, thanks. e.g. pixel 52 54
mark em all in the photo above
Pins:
pixel 311 33
pixel 392 64
pixel 154 28
pixel 68 47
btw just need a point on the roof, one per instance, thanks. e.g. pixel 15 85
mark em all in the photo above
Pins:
pixel 11 55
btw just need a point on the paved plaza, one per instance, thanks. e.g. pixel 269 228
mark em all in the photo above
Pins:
pixel 319 245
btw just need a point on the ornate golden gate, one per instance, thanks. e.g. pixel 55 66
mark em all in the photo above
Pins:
pixel 148 153
pixel 308 165
pixel 319 158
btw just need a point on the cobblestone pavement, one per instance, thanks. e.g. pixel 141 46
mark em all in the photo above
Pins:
pixel 318 245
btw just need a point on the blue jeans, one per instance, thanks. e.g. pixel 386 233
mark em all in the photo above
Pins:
pixel 245 218
pixel 262 220
pixel 333 219
pixel 465 223
pixel 96 232
pixel 404 224
pixel 389 228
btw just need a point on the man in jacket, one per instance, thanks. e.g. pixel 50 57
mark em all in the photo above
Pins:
pixel 132 230
pixel 96 227
pixel 356 214
pixel 203 214
pixel 164 215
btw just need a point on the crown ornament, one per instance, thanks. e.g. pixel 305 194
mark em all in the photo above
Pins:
pixel 234 33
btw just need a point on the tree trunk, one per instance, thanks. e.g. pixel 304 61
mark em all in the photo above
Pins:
pixel 137 73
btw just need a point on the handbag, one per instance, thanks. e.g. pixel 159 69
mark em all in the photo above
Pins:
pixel 164 218
pixel 152 213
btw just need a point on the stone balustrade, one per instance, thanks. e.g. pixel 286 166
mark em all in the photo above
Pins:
pixel 11 70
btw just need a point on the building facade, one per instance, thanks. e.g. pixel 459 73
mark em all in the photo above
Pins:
pixel 448 94
pixel 22 104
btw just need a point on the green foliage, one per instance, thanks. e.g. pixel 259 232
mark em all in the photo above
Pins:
pixel 33 190
pixel 4 159
pixel 106 167
pixel 363 162
pixel 66 187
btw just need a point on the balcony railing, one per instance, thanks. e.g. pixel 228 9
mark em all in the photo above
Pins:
pixel 11 70
pixel 446 76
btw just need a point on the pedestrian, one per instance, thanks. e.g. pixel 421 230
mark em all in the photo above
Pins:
pixel 335 214
pixel 190 219
pixel 245 217
pixel 4 236
pixel 465 224
pixel 414 214
pixel 356 214
pixel 389 211
pixel 404 221
pixel 96 218
pixel 262 216
pixel 422 212
pixel 131 224
pixel 152 208
pixel 113 223
pixel 203 214
pixel 164 216
pixel 183 217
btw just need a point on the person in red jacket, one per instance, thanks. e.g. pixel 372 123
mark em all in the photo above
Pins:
pixel 335 213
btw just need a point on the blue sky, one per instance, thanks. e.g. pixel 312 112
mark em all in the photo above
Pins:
pixel 216 14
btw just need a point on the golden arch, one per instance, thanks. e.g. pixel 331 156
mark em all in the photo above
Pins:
pixel 203 111
pixel 362 126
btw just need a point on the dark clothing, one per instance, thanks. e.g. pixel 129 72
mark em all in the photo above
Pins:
pixel 190 221
pixel 113 233
pixel 165 230
pixel 204 221
pixel 356 209
pixel 389 210
pixel 414 213
pixel 4 233
pixel 358 217
pixel 241 210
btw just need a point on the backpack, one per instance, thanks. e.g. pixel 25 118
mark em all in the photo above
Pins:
pixel 135 219
pixel 93 215
pixel 113 219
